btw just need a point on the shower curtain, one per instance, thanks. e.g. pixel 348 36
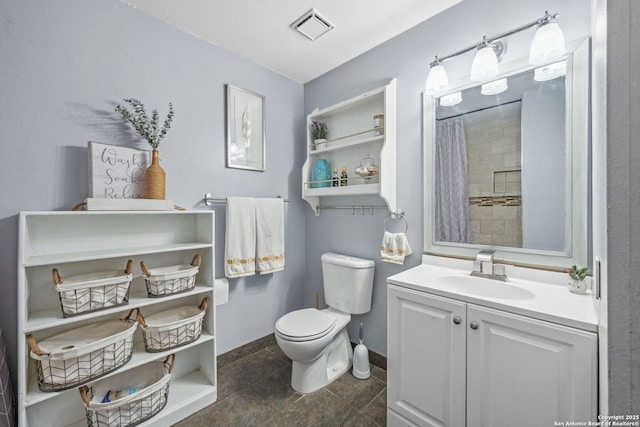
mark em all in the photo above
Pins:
pixel 451 185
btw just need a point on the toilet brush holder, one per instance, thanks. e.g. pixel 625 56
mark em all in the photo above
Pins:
pixel 361 368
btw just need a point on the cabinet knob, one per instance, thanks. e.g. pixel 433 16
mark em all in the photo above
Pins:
pixel 473 325
pixel 457 320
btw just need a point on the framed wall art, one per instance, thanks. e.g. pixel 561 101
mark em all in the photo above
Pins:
pixel 246 136
pixel 116 172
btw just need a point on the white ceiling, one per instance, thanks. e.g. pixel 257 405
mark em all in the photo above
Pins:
pixel 260 31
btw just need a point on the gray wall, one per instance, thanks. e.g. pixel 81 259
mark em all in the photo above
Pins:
pixel 623 205
pixel 65 65
pixel 407 57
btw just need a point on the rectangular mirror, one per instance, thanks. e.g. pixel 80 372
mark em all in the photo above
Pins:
pixel 506 165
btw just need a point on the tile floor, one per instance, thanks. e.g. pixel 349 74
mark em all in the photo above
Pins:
pixel 254 389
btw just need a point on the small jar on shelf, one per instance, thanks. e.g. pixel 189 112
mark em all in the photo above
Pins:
pixel 344 178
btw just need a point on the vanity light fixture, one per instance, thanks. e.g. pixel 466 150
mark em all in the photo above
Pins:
pixel 437 79
pixel 485 63
pixel 548 44
pixel 451 99
pixel 495 87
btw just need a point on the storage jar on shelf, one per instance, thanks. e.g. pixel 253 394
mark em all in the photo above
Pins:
pixel 320 174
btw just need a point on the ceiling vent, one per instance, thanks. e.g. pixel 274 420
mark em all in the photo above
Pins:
pixel 312 25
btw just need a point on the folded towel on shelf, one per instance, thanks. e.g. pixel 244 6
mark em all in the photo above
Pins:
pixel 270 235
pixel 240 237
pixel 395 247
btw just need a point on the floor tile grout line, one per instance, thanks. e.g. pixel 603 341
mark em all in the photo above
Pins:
pixel 277 406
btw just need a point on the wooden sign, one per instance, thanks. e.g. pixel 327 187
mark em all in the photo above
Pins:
pixel 116 172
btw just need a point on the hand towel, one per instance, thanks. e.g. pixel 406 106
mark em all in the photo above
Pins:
pixel 270 235
pixel 240 237
pixel 395 247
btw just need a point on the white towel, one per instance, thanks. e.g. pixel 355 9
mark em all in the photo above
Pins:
pixel 395 247
pixel 240 237
pixel 270 235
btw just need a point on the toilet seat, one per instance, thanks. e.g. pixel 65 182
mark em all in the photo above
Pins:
pixel 304 325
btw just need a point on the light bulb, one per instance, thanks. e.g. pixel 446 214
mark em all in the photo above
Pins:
pixel 550 71
pixel 437 79
pixel 485 64
pixel 495 87
pixel 451 99
pixel 548 43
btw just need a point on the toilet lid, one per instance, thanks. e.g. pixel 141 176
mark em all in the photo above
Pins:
pixel 308 322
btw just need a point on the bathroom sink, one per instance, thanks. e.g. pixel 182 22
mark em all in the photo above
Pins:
pixel 484 287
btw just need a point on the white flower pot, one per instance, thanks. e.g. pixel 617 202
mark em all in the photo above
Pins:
pixel 578 286
pixel 319 143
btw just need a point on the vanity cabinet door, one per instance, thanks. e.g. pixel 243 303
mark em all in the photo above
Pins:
pixel 527 372
pixel 426 359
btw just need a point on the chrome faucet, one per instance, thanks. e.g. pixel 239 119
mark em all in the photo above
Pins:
pixel 483 266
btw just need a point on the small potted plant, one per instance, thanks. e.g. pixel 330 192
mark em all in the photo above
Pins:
pixel 577 284
pixel 319 133
pixel 149 129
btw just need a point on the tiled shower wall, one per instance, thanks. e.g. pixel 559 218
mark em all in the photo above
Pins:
pixel 493 168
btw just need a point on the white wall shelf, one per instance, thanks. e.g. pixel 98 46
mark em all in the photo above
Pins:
pixel 339 144
pixel 349 144
pixel 82 242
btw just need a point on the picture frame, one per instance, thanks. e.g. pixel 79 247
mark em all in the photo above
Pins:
pixel 246 129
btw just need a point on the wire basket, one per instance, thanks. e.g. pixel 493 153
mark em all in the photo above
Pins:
pixel 81 355
pixel 129 398
pixel 92 292
pixel 172 328
pixel 171 280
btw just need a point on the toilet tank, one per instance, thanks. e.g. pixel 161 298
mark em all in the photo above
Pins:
pixel 347 282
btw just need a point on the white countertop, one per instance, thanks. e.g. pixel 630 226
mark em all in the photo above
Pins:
pixel 552 300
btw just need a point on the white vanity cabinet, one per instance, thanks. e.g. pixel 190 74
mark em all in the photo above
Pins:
pixel 88 242
pixel 452 363
pixel 426 359
pixel 352 137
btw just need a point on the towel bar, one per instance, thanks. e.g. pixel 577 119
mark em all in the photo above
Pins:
pixel 209 200
pixel 363 208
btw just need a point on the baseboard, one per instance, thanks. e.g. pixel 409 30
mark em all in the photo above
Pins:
pixel 270 340
pixel 246 349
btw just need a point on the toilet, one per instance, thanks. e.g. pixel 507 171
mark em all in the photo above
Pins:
pixel 317 341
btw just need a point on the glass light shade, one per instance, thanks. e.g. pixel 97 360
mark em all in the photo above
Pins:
pixel 485 65
pixel 548 44
pixel 451 99
pixel 495 87
pixel 437 79
pixel 550 71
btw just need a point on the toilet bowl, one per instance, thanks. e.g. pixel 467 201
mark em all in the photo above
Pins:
pixel 318 355
pixel 317 341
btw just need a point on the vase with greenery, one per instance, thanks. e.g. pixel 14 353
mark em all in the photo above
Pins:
pixel 578 275
pixel 149 128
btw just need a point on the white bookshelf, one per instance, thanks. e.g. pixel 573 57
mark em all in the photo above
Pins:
pixel 92 241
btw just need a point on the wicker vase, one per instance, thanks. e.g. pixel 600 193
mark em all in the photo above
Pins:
pixel 154 179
